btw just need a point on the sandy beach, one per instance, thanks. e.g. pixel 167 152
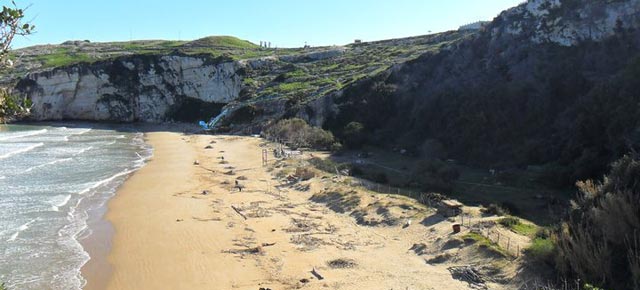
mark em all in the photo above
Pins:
pixel 271 235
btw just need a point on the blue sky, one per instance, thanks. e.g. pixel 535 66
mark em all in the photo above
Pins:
pixel 286 23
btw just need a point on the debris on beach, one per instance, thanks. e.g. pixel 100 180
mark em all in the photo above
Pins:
pixel 342 263
pixel 470 275
pixel 316 274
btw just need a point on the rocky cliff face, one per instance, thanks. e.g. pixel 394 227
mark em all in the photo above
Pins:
pixel 135 88
pixel 567 22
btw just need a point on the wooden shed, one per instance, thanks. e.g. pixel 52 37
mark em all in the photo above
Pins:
pixel 450 208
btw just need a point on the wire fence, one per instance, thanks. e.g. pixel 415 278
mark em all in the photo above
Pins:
pixel 488 230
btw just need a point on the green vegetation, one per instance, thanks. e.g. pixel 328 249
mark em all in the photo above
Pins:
pixel 483 242
pixel 222 41
pixel 541 249
pixel 63 57
pixel 297 133
pixel 517 226
pixel 3 286
pixel 328 165
pixel 12 106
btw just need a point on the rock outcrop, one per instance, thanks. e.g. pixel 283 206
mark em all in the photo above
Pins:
pixel 567 22
pixel 133 88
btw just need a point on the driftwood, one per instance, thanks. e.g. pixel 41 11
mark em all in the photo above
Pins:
pixel 316 274
pixel 239 212
pixel 468 274
pixel 268 244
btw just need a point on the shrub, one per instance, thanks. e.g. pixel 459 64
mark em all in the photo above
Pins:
pixel 380 177
pixel 305 173
pixel 353 135
pixel 435 175
pixel 298 133
pixel 510 221
pixel 327 165
pixel 494 209
pixel 599 241
pixel 541 250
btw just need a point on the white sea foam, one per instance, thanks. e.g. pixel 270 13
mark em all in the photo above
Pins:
pixel 62 201
pixel 21 229
pixel 22 134
pixel 105 181
pixel 21 150
pixel 63 196
pixel 46 164
pixel 83 150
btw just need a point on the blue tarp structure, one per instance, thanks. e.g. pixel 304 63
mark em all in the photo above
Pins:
pixel 204 125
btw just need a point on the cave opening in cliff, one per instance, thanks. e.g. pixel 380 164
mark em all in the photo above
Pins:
pixel 192 110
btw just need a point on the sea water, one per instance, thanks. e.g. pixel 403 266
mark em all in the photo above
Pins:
pixel 51 178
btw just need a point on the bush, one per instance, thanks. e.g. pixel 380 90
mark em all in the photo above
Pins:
pixel 353 135
pixel 541 250
pixel 494 209
pixel 599 241
pixel 380 177
pixel 435 175
pixel 297 133
pixel 510 221
pixel 305 173
pixel 327 165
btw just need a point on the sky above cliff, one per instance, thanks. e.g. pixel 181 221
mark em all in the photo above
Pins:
pixel 285 23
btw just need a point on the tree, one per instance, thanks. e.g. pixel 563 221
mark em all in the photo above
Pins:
pixel 11 24
pixel 353 134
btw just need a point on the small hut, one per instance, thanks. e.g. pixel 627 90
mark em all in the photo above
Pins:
pixel 450 208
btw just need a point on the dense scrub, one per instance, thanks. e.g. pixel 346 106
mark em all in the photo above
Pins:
pixel 503 103
pixel 297 133
pixel 600 240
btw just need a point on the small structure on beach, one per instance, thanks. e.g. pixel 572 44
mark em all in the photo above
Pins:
pixel 450 208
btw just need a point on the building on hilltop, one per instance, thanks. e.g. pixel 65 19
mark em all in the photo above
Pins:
pixel 474 26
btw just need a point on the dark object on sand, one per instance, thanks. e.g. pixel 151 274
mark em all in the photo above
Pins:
pixel 205 192
pixel 196 162
pixel 316 274
pixel 468 274
pixel 208 147
pixel 239 212
pixel 341 263
pixel 456 228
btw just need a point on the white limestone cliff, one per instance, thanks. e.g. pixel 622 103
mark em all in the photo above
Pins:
pixel 132 89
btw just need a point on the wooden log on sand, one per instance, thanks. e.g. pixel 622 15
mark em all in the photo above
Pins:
pixel 239 212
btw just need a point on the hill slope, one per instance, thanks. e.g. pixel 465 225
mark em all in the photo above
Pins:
pixel 548 84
